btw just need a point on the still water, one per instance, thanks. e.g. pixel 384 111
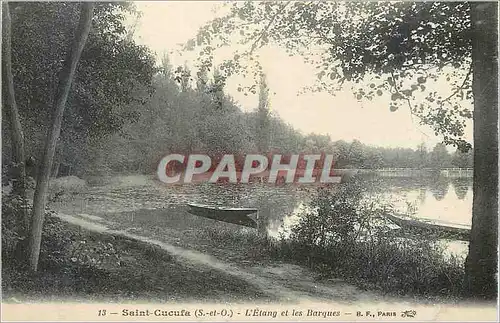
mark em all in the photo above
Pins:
pixel 437 199
pixel 446 200
pixel 441 199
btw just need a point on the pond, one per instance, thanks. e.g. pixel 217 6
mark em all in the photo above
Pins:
pixel 446 200
pixel 442 199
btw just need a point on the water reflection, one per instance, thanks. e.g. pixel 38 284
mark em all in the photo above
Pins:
pixel 422 194
pixel 431 198
pixel 278 206
pixel 461 187
pixel 425 197
pixel 439 188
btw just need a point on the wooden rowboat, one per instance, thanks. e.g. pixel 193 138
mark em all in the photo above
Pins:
pixel 225 214
pixel 445 230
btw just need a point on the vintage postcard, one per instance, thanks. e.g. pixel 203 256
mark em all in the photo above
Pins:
pixel 249 161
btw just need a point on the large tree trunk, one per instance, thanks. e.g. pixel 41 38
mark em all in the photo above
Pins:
pixel 65 81
pixel 481 264
pixel 18 158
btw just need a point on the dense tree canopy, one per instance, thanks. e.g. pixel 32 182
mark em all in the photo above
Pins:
pixel 112 80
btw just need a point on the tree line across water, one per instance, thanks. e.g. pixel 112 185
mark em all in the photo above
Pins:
pixel 124 113
pixel 182 117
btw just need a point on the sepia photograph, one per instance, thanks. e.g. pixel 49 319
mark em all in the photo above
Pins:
pixel 249 161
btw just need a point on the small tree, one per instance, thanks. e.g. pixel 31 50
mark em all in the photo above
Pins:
pixel 440 158
pixel 263 117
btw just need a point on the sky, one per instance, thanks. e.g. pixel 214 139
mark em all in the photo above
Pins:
pixel 164 26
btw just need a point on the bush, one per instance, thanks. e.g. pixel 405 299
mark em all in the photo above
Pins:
pixel 13 225
pixel 255 245
pixel 336 217
pixel 55 240
pixel 59 246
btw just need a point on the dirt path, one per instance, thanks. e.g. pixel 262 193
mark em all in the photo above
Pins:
pixel 286 282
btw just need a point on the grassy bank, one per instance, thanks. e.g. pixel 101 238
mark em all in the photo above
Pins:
pixel 397 267
pixel 78 264
pixel 386 262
